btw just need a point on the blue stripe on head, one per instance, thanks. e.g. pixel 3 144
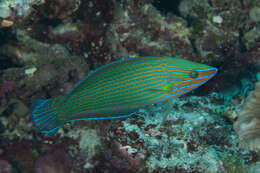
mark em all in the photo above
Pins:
pixel 193 85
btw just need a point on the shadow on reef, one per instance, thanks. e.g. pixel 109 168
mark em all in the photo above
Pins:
pixel 166 6
pixel 47 46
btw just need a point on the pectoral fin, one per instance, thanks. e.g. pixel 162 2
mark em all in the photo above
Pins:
pixel 166 89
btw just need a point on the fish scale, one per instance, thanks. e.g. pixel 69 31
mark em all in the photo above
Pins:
pixel 119 89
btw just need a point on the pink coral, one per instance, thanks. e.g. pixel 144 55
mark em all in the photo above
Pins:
pixel 135 159
pixel 5 167
pixel 7 86
pixel 53 162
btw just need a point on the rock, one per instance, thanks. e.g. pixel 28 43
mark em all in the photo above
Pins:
pixel 5 167
pixel 20 109
pixel 254 14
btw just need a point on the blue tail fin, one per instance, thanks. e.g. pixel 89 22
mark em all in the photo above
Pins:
pixel 46 117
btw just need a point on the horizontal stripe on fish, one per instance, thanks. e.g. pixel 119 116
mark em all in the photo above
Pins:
pixel 126 78
pixel 111 66
pixel 131 89
pixel 192 84
pixel 123 75
pixel 92 116
pixel 134 104
pixel 180 71
pixel 100 82
pixel 101 102
pixel 117 83
pixel 194 81
pixel 176 93
pixel 115 70
pixel 169 96
pixel 103 97
pixel 179 64
pixel 127 91
pixel 177 90
pixel 112 96
pixel 120 88
pixel 210 72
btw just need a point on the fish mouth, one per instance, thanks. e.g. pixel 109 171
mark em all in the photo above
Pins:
pixel 203 76
pixel 207 73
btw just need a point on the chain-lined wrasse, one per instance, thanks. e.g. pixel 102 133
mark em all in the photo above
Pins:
pixel 118 89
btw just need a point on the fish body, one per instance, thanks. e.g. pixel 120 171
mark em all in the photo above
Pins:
pixel 118 89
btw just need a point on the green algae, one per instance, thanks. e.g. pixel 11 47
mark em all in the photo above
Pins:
pixel 59 63
pixel 197 28
pixel 234 164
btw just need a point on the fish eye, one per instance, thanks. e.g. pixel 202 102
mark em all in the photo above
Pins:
pixel 194 74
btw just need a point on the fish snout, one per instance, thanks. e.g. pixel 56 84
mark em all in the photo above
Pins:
pixel 207 73
pixel 200 77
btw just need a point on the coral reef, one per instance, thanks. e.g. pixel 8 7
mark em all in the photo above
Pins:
pixel 247 124
pixel 191 138
pixel 153 33
pixel 47 46
pixel 5 167
pixel 222 38
pixel 53 162
pixel 15 11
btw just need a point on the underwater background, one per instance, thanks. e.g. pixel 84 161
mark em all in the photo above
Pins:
pixel 47 46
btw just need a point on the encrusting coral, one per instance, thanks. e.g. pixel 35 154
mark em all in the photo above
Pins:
pixel 247 125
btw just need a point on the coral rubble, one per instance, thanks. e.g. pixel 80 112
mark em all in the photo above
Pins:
pixel 47 46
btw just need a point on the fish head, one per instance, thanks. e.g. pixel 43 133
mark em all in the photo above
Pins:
pixel 187 75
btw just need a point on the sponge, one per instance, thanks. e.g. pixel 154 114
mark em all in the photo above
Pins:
pixel 247 125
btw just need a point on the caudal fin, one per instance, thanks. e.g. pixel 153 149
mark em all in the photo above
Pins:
pixel 46 117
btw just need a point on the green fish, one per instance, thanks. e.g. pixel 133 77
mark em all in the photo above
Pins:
pixel 119 89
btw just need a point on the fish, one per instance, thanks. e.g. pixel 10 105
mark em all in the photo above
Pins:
pixel 118 89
